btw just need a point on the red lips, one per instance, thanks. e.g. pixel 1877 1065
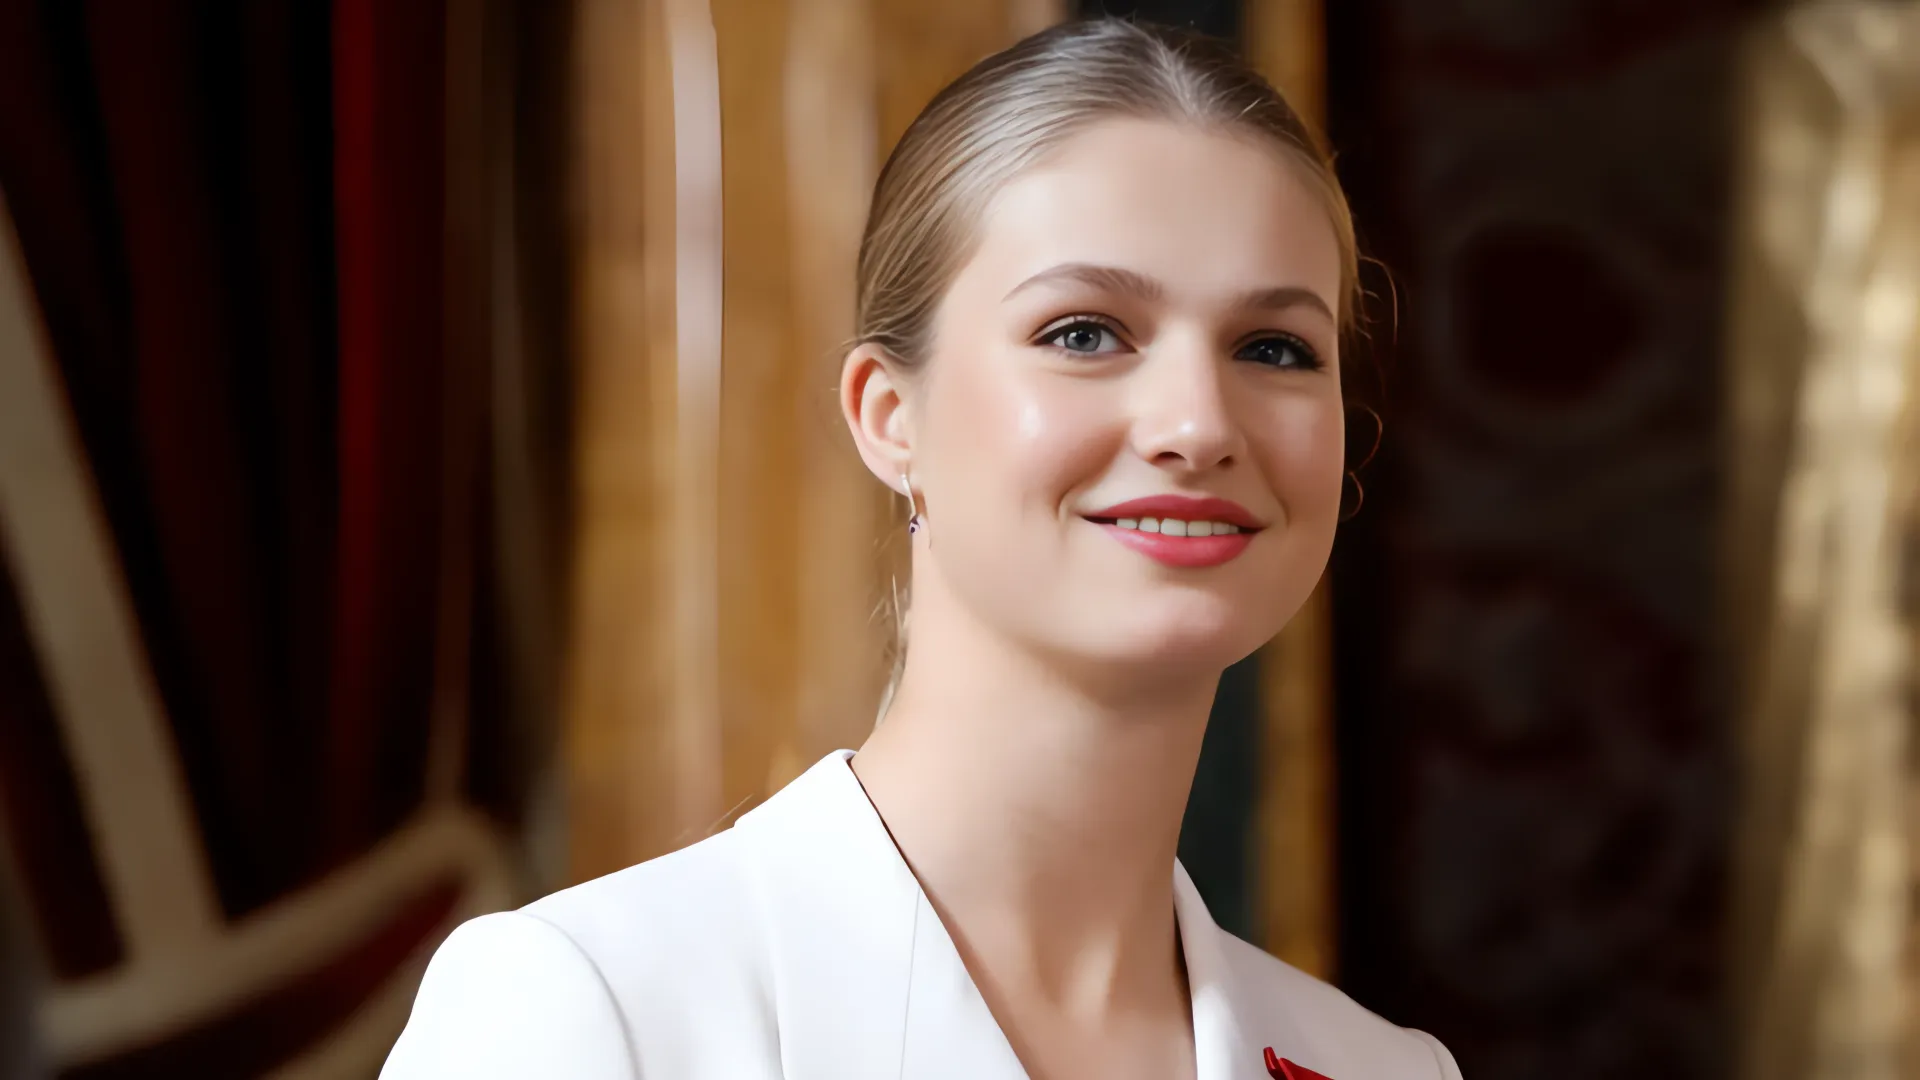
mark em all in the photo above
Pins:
pixel 1188 552
pixel 1181 508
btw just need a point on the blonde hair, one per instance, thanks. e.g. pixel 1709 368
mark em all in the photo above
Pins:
pixel 1008 112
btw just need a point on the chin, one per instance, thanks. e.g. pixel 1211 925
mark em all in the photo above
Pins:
pixel 1179 642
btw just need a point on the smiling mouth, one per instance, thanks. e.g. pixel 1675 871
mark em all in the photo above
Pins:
pixel 1177 527
pixel 1179 542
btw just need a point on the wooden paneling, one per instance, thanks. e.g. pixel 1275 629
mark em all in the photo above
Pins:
pixel 763 512
pixel 731 550
pixel 615 682
pixel 696 736
pixel 1026 17
pixel 832 155
pixel 1286 41
pixel 925 46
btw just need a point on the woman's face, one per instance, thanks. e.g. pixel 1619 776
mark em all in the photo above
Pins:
pixel 1144 339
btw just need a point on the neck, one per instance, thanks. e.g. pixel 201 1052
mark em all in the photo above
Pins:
pixel 1041 814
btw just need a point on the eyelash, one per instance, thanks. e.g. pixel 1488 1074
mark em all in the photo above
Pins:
pixel 1049 337
pixel 1309 359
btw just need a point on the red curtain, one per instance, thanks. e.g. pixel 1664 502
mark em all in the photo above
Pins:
pixel 232 215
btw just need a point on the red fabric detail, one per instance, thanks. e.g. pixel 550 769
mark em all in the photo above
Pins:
pixel 1281 1069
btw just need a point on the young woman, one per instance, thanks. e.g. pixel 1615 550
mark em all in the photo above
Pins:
pixel 1101 298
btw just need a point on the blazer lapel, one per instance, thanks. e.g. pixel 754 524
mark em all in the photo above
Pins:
pixel 866 983
pixel 950 1032
pixel 1223 1047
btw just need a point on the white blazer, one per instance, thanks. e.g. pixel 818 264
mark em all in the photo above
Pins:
pixel 798 944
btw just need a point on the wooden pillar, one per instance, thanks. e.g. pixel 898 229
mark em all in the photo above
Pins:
pixel 618 768
pixel 1286 40
pixel 828 108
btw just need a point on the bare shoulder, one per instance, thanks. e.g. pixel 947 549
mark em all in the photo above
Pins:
pixel 1335 1035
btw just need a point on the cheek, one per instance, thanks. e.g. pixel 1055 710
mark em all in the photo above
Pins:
pixel 1301 445
pixel 1019 436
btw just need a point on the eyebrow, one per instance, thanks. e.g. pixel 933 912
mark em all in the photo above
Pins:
pixel 1140 286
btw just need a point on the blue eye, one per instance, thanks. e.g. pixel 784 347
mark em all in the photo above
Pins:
pixel 1083 336
pixel 1280 351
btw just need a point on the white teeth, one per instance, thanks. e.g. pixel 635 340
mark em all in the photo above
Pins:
pixel 1173 527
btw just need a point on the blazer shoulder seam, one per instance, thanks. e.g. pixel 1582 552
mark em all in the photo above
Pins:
pixel 599 977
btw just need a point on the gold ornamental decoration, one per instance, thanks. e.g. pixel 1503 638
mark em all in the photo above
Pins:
pixel 1824 462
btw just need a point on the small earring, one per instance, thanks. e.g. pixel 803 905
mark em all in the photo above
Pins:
pixel 913 509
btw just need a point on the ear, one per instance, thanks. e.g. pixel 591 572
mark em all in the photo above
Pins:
pixel 873 403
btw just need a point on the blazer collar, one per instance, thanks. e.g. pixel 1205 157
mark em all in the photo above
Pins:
pixel 866 982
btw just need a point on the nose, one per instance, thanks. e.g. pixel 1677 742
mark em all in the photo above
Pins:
pixel 1184 420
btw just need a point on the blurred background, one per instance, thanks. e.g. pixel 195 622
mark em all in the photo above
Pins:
pixel 421 489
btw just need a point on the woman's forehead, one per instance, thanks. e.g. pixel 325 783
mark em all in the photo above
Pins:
pixel 1163 199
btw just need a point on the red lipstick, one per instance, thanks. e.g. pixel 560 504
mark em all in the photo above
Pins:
pixel 1181 551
